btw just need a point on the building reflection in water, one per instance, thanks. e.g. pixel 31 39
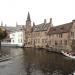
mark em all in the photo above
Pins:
pixel 44 63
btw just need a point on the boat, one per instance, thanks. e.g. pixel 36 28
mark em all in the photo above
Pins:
pixel 74 73
pixel 69 54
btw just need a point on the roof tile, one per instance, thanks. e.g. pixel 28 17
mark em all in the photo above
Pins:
pixel 41 27
pixel 60 29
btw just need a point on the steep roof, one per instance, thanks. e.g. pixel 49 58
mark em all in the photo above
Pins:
pixel 28 17
pixel 13 29
pixel 61 28
pixel 41 27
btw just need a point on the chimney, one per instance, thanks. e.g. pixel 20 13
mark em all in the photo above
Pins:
pixel 51 22
pixel 73 20
pixel 5 25
pixel 45 21
pixel 16 24
pixel 33 23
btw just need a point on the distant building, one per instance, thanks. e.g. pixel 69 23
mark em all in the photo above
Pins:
pixel 15 37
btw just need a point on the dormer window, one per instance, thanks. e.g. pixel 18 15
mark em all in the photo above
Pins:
pixel 54 29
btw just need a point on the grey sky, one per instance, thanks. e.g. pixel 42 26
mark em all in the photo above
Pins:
pixel 61 11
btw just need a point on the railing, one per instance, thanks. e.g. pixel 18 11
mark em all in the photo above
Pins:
pixel 5 42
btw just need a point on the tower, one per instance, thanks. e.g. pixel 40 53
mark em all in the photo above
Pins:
pixel 28 23
pixel 1 23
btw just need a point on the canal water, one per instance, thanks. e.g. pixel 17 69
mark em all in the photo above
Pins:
pixel 29 61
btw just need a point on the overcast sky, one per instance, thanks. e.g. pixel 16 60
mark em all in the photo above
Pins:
pixel 61 11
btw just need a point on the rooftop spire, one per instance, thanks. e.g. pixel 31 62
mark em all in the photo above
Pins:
pixel 16 23
pixel 28 17
pixel 1 23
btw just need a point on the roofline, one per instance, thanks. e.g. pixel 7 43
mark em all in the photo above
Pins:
pixel 62 24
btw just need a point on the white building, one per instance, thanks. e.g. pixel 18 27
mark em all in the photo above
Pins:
pixel 15 37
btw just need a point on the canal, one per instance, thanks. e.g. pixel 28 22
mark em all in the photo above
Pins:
pixel 29 61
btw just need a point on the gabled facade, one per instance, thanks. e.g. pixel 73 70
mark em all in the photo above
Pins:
pixel 62 35
pixel 46 34
pixel 36 35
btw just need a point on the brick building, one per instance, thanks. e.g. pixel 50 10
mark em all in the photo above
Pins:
pixel 45 34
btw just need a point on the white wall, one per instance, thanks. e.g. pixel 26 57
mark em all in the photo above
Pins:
pixel 17 38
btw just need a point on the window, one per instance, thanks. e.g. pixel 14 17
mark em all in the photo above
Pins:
pixel 52 35
pixel 74 27
pixel 56 43
pixel 45 32
pixel 45 40
pixel 57 35
pixel 60 42
pixel 60 35
pixel 21 40
pixel 13 34
pixel 13 41
pixel 35 40
pixel 18 40
pixel 21 35
pixel 72 34
pixel 65 42
pixel 38 40
pixel 49 36
pixel 50 42
pixel 9 40
pixel 42 40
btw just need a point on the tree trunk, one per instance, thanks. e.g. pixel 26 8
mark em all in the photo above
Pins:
pixel 0 48
pixel 0 44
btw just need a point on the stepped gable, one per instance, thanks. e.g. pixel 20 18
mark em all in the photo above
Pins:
pixel 61 28
pixel 41 27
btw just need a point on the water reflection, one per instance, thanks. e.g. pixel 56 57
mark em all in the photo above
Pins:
pixel 4 51
pixel 48 63
pixel 37 62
